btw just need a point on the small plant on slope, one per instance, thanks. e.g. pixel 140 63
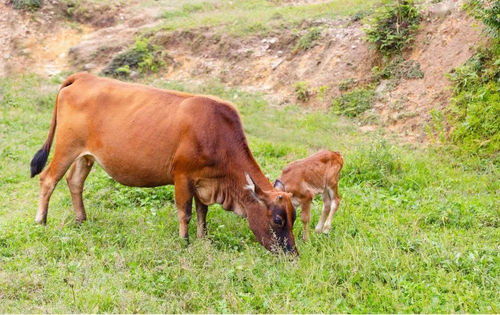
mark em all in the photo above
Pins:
pixel 392 27
pixel 142 57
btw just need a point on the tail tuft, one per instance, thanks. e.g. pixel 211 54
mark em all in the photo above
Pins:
pixel 39 160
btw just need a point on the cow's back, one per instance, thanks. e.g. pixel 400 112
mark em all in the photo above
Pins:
pixel 142 135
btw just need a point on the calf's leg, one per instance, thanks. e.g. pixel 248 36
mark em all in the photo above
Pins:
pixel 305 216
pixel 326 210
pixel 334 207
pixel 75 179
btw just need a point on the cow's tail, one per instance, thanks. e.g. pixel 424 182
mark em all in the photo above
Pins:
pixel 40 159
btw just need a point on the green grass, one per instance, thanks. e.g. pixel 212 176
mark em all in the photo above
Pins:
pixel 253 16
pixel 417 230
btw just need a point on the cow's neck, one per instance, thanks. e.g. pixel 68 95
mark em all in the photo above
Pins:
pixel 231 192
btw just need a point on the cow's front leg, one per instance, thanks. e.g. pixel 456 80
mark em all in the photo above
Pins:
pixel 184 203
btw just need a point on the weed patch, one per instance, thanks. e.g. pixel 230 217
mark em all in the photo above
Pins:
pixel 354 103
pixel 29 5
pixel 392 26
pixel 308 40
pixel 398 68
pixel 143 57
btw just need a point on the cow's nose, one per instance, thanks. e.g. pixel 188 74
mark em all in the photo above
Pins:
pixel 291 250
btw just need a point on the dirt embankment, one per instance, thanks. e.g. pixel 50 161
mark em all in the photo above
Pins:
pixel 446 40
pixel 271 64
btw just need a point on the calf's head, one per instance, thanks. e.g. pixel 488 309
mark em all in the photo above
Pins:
pixel 271 216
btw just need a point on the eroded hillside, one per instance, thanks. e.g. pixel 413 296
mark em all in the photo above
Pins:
pixel 307 52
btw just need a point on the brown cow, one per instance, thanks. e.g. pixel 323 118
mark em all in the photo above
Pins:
pixel 145 137
pixel 309 177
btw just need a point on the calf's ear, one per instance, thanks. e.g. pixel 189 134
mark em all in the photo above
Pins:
pixel 278 185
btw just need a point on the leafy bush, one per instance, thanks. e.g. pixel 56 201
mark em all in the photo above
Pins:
pixel 354 103
pixel 392 26
pixel 475 109
pixel 142 57
pixel 308 40
pixel 302 91
pixel 489 12
pixel 472 121
pixel 31 5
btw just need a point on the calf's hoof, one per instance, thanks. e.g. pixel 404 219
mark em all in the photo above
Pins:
pixel 41 221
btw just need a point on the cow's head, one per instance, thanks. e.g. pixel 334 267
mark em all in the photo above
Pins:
pixel 271 216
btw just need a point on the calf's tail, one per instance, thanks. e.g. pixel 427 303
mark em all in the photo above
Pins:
pixel 40 159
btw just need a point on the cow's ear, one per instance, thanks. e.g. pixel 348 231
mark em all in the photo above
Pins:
pixel 278 185
pixel 254 188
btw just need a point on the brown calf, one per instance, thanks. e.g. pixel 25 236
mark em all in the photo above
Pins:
pixel 145 137
pixel 306 178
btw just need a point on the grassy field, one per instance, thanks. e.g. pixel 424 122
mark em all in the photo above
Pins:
pixel 240 18
pixel 417 230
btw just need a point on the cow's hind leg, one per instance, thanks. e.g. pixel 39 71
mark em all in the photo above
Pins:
pixel 48 181
pixel 333 209
pixel 75 179
pixel 327 200
pixel 184 202
pixel 201 218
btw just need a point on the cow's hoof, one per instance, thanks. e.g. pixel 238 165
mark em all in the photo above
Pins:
pixel 79 221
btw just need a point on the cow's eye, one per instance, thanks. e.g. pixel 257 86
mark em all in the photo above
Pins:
pixel 278 220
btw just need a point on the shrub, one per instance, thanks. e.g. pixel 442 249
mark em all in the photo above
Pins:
pixel 142 57
pixel 354 103
pixel 392 26
pixel 489 12
pixel 302 91
pixel 475 108
pixel 308 40
pixel 31 5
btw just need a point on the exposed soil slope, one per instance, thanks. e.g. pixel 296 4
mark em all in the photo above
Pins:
pixel 270 63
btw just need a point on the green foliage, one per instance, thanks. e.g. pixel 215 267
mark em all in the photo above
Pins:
pixel 489 12
pixel 303 91
pixel 475 109
pixel 242 18
pixel 188 9
pixel 399 68
pixel 143 57
pixel 347 84
pixel 354 103
pixel 308 40
pixel 31 5
pixel 392 26
pixel 416 231
pixel 376 165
